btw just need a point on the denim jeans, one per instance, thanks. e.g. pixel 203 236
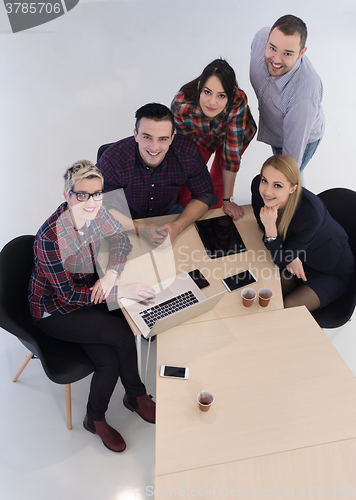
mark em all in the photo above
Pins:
pixel 175 209
pixel 308 153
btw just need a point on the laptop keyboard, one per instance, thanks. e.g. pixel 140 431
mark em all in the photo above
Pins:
pixel 170 306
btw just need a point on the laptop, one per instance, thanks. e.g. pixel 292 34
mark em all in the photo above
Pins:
pixel 178 299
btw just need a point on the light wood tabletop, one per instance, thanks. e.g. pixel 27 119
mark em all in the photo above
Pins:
pixel 190 254
pixel 150 265
pixel 316 472
pixel 278 382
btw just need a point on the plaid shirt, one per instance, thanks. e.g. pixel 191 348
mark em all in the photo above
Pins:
pixel 233 128
pixel 153 191
pixel 64 261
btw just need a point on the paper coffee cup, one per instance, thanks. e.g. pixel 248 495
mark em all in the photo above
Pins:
pixel 248 296
pixel 205 400
pixel 264 296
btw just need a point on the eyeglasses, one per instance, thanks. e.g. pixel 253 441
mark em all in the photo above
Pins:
pixel 85 196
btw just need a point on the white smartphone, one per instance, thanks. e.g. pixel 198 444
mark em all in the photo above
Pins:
pixel 239 280
pixel 174 371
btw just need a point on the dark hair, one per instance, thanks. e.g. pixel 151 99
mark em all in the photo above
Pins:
pixel 154 111
pixel 219 68
pixel 290 25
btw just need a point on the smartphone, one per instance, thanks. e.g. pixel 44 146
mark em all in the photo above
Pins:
pixel 239 280
pixel 199 279
pixel 174 372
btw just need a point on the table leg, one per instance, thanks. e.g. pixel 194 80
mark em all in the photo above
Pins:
pixel 138 347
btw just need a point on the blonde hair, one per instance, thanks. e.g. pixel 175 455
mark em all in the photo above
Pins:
pixel 82 169
pixel 289 168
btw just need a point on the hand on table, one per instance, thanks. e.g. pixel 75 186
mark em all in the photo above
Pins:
pixel 155 235
pixel 137 291
pixel 232 209
pixel 296 268
pixel 172 231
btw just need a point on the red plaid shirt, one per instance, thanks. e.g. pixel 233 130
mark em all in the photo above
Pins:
pixel 233 128
pixel 65 258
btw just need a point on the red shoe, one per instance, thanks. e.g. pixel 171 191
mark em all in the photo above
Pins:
pixel 143 406
pixel 109 436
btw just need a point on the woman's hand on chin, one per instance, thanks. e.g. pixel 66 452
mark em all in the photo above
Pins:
pixel 268 216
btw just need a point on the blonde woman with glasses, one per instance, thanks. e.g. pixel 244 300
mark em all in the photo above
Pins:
pixel 69 301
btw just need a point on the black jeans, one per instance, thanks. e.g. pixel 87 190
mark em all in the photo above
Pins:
pixel 110 344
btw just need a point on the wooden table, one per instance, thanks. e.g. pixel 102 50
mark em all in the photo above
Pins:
pixel 278 382
pixel 189 254
pixel 151 265
pixel 314 473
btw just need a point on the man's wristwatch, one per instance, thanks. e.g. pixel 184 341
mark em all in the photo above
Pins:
pixel 269 239
pixel 229 199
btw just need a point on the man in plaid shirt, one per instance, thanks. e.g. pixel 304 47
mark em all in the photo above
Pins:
pixel 151 167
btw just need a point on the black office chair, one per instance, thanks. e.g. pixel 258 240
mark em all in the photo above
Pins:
pixel 341 204
pixel 63 362
pixel 103 148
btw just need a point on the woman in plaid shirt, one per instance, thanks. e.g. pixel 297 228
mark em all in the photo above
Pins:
pixel 69 301
pixel 213 111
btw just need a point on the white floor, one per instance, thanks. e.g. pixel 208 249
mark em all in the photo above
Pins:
pixel 41 459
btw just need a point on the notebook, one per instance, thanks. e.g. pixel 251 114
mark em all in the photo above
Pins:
pixel 178 299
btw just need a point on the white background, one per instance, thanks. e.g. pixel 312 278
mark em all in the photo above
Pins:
pixel 75 83
pixel 70 85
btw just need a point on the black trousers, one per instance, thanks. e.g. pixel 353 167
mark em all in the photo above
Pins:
pixel 109 342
